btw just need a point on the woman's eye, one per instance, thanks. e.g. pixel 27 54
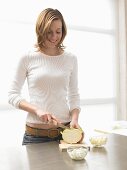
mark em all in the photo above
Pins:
pixel 50 33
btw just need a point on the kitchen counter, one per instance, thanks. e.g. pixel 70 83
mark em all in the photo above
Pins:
pixel 47 156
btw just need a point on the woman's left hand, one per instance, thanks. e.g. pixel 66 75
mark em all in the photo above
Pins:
pixel 74 124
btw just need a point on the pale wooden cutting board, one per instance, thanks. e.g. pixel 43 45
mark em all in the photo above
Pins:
pixel 63 145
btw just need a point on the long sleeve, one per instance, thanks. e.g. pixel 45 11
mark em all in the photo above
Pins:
pixel 14 94
pixel 73 94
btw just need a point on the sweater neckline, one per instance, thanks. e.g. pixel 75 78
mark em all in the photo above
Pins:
pixel 52 56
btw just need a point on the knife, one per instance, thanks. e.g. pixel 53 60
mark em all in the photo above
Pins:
pixel 63 126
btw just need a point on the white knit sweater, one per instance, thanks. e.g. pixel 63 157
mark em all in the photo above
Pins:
pixel 52 84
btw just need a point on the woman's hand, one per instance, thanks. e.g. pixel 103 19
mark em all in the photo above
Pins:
pixel 47 117
pixel 74 124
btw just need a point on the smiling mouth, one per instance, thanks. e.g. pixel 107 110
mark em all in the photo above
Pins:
pixel 53 42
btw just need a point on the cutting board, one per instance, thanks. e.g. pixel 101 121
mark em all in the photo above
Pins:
pixel 63 145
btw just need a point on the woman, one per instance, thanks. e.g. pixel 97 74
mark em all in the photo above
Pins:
pixel 51 74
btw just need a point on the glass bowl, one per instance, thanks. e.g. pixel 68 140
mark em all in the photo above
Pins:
pixel 98 141
pixel 77 153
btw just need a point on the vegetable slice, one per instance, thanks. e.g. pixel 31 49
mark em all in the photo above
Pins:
pixel 72 135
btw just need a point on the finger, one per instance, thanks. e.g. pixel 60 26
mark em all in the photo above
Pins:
pixel 55 119
pixel 49 117
pixel 45 119
pixel 54 122
pixel 73 126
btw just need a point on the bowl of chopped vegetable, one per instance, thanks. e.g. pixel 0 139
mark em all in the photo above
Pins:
pixel 77 153
pixel 98 141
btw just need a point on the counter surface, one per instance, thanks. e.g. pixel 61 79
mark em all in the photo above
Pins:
pixel 47 156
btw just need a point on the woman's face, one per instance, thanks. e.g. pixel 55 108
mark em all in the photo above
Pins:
pixel 54 34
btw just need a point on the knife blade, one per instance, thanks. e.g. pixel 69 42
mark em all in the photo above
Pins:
pixel 63 126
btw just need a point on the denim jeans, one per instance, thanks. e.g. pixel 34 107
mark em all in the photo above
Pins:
pixel 30 139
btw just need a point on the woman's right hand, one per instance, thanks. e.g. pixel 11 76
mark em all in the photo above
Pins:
pixel 47 117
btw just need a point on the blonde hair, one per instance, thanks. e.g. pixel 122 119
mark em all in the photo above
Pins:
pixel 43 24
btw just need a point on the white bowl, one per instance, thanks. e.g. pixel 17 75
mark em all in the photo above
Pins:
pixel 98 141
pixel 77 153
